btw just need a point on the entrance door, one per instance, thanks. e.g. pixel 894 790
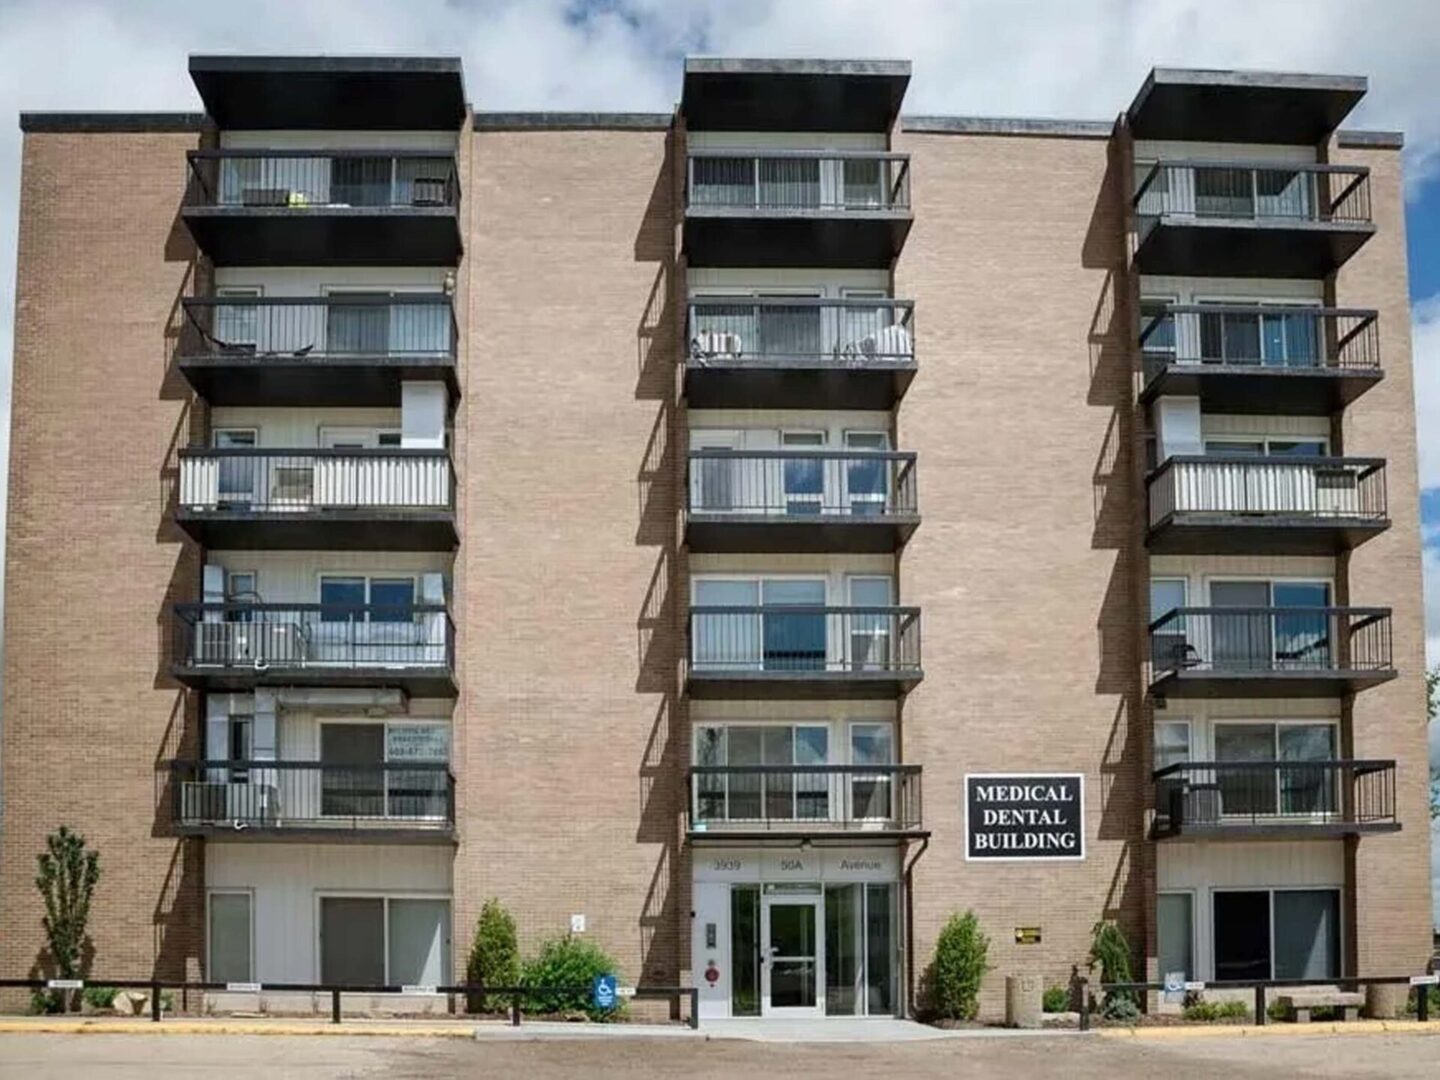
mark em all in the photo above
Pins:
pixel 792 955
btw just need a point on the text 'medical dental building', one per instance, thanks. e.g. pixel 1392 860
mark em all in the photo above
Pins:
pixel 745 536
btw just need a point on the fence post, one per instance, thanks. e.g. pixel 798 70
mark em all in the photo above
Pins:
pixel 1084 1005
pixel 334 1006
pixel 1422 1003
pixel 155 1003
pixel 694 1008
pixel 515 1011
pixel 1260 1005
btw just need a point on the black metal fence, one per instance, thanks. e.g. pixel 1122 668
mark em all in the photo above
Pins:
pixel 1418 986
pixel 801 638
pixel 312 794
pixel 290 481
pixel 1321 488
pixel 1260 335
pixel 1258 191
pixel 338 326
pixel 784 797
pixel 321 179
pixel 800 180
pixel 1248 640
pixel 1213 793
pixel 798 331
pixel 254 636
pixel 803 483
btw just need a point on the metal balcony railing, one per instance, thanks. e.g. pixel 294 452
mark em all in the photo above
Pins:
pixel 803 483
pixel 1319 489
pixel 802 331
pixel 801 639
pixel 290 482
pixel 1255 191
pixel 1260 640
pixel 1207 794
pixel 1263 336
pixel 321 179
pixel 312 794
pixel 801 180
pixel 257 637
pixel 415 326
pixel 800 798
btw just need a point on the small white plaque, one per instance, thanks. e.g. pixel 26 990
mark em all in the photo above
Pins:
pixel 417 990
pixel 242 988
pixel 625 991
pixel 1425 980
pixel 1194 986
pixel 577 924
pixel 65 984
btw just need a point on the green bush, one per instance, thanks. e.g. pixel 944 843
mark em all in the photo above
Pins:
pixel 46 1002
pixel 568 962
pixel 99 997
pixel 1056 1000
pixel 1411 1009
pixel 1210 1011
pixel 961 960
pixel 1110 952
pixel 494 956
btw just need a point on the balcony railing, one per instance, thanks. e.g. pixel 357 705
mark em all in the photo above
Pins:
pixel 290 329
pixel 800 639
pixel 805 798
pixel 313 795
pixel 1271 640
pixel 1273 337
pixel 820 181
pixel 1255 191
pixel 1296 795
pixel 1314 489
pixel 802 332
pixel 868 484
pixel 291 482
pixel 321 179
pixel 258 638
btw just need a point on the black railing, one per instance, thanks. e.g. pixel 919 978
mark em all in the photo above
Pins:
pixel 1215 793
pixel 805 797
pixel 321 179
pixel 1259 640
pixel 802 331
pixel 821 180
pixel 405 326
pixel 1420 986
pixel 1255 191
pixel 1317 488
pixel 803 483
pixel 313 794
pixel 277 637
pixel 292 481
pixel 1261 336
pixel 803 639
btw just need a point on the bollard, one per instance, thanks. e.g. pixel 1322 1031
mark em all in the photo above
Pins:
pixel 1084 1005
pixel 1260 1005
pixel 334 1006
pixel 155 1003
pixel 1422 1003
pixel 515 1011
pixel 694 1008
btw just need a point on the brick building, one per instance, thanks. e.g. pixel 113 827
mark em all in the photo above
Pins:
pixel 548 506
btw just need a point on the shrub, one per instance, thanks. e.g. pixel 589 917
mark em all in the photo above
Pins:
pixel 1210 1011
pixel 1056 1000
pixel 1110 952
pixel 99 997
pixel 567 961
pixel 494 956
pixel 961 960
pixel 66 875
pixel 1120 1007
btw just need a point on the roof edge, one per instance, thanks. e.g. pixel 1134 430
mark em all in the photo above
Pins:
pixel 292 63
pixel 1371 140
pixel 133 122
pixel 1279 80
pixel 999 125
pixel 731 65
pixel 572 121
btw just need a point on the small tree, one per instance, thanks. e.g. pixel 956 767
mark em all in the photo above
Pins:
pixel 67 876
pixel 961 961
pixel 1110 952
pixel 494 956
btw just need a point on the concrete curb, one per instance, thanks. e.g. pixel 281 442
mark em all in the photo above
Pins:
pixel 233 1027
pixel 1354 1027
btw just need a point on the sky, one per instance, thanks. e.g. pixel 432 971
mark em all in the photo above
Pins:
pixel 1038 58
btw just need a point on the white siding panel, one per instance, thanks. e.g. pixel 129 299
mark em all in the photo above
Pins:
pixel 339 140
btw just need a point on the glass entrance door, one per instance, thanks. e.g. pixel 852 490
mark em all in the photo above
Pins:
pixel 792 954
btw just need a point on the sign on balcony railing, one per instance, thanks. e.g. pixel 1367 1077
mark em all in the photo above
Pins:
pixel 294 481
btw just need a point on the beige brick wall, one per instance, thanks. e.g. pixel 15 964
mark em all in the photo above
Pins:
pixel 93 559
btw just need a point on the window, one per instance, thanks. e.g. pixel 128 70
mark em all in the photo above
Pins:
pixel 237 325
pixel 1175 925
pixel 1277 934
pixel 804 476
pixel 1261 639
pixel 1239 446
pixel 355 438
pixel 382 940
pixel 1169 641
pixel 230 938
pixel 762 796
pixel 238 480
pixel 1172 743
pixel 1296 788
pixel 1279 335
pixel 343 598
pixel 867 483
pixel 1157 327
pixel 872 795
pixel 871 630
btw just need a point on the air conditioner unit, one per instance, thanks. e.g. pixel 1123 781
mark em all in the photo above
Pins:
pixel 216 803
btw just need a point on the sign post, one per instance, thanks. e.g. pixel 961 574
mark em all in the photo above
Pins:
pixel 1031 817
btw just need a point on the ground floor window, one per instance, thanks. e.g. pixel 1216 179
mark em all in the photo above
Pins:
pixel 384 941
pixel 230 935
pixel 1176 932
pixel 1277 934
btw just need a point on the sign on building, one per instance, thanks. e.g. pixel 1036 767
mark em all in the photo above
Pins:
pixel 1025 816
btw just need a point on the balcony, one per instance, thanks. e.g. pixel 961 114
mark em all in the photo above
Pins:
pixel 388 499
pixel 801 501
pixel 324 208
pixel 800 651
pixel 1269 651
pixel 238 646
pixel 331 351
pixel 797 208
pixel 1265 505
pixel 845 803
pixel 1244 219
pixel 1274 800
pixel 311 800
pixel 1260 358
pixel 799 353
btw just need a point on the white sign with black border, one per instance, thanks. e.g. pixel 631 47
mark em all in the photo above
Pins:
pixel 1024 817
pixel 1425 980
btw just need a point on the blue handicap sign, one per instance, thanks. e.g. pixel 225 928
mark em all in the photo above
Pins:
pixel 603 992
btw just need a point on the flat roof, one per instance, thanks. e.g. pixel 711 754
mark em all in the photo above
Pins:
pixel 1212 105
pixel 375 93
pixel 733 94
